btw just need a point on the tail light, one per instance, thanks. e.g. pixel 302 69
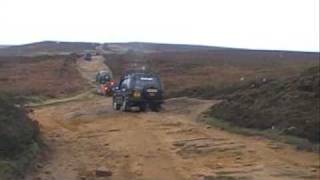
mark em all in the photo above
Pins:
pixel 136 93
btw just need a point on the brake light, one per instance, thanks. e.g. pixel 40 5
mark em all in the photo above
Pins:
pixel 136 93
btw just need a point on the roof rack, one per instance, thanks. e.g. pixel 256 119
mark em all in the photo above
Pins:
pixel 135 71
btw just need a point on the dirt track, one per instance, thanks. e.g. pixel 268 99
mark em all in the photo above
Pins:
pixel 85 135
pixel 89 69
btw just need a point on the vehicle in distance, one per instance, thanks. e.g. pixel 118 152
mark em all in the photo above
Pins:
pixel 88 57
pixel 105 84
pixel 138 89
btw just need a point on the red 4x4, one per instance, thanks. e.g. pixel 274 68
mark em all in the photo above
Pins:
pixel 107 88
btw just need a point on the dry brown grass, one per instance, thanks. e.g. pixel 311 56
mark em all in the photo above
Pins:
pixel 218 68
pixel 50 76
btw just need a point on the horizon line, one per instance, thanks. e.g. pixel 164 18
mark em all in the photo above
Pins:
pixel 166 43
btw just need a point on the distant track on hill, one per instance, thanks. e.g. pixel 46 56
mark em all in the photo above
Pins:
pixel 89 69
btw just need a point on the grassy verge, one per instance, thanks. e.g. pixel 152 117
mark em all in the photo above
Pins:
pixel 77 97
pixel 19 138
pixel 15 167
pixel 273 134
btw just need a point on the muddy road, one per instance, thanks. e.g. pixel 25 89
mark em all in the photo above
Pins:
pixel 87 136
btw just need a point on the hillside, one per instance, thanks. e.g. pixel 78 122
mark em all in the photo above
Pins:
pixel 290 105
pixel 86 138
pixel 198 66
pixel 3 46
pixel 19 141
pixel 46 76
pixel 142 47
pixel 47 47
pixel 215 68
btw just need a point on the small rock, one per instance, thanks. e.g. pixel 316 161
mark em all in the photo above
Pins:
pixel 219 165
pixel 39 166
pixel 47 172
pixel 138 172
pixel 173 148
pixel 314 170
pixel 275 146
pixel 251 151
pixel 103 172
pixel 113 130
pixel 179 143
pixel 106 144
pixel 248 164
pixel 37 178
pixel 127 156
pixel 208 127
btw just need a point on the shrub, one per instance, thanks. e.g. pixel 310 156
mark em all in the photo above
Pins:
pixel 17 130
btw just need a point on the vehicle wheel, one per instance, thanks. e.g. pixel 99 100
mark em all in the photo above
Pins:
pixel 124 106
pixel 155 107
pixel 115 106
pixel 110 93
pixel 143 107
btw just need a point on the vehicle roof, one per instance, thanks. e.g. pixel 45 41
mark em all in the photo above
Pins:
pixel 133 73
pixel 103 72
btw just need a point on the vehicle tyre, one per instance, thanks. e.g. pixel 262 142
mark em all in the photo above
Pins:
pixel 124 106
pixel 115 106
pixel 155 107
pixel 143 107
pixel 110 93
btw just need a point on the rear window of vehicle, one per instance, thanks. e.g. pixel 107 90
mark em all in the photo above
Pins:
pixel 142 81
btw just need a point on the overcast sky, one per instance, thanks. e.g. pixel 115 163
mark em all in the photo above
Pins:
pixel 256 24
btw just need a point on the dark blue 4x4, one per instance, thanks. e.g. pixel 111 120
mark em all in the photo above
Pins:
pixel 138 90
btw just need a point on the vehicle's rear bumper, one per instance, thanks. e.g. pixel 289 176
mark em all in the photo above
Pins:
pixel 134 101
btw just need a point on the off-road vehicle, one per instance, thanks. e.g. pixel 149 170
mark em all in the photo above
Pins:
pixel 88 57
pixel 105 84
pixel 138 89
pixel 103 76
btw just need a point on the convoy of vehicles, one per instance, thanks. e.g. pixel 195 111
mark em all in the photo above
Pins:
pixel 138 89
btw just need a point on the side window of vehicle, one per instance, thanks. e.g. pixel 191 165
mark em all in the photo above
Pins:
pixel 127 83
pixel 124 84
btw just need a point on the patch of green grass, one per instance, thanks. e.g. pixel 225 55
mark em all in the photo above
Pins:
pixel 78 97
pixel 273 134
pixel 6 169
